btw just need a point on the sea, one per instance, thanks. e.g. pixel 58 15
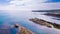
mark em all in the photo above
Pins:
pixel 10 17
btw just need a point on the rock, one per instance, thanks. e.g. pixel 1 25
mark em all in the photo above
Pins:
pixel 23 30
pixel 41 22
pixel 45 23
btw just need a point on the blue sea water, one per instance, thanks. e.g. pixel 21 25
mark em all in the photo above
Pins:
pixel 22 18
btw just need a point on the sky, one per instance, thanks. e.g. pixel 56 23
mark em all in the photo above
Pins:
pixel 53 1
pixel 29 4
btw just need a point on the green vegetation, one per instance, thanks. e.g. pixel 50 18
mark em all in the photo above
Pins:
pixel 56 25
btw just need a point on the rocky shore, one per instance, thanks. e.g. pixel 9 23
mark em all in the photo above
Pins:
pixel 23 30
pixel 45 23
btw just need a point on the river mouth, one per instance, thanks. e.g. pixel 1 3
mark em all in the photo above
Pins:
pixel 22 18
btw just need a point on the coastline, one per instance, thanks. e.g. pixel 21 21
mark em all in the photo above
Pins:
pixel 45 23
pixel 23 30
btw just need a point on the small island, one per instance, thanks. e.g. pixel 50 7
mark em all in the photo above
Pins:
pixel 45 23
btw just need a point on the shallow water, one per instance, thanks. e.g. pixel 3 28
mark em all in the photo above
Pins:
pixel 22 18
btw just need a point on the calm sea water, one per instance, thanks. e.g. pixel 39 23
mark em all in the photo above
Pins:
pixel 22 18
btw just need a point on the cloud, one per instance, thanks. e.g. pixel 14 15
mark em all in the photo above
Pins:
pixel 30 5
pixel 48 6
pixel 26 2
pixel 21 4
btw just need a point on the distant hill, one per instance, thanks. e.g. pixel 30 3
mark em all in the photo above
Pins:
pixel 46 10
